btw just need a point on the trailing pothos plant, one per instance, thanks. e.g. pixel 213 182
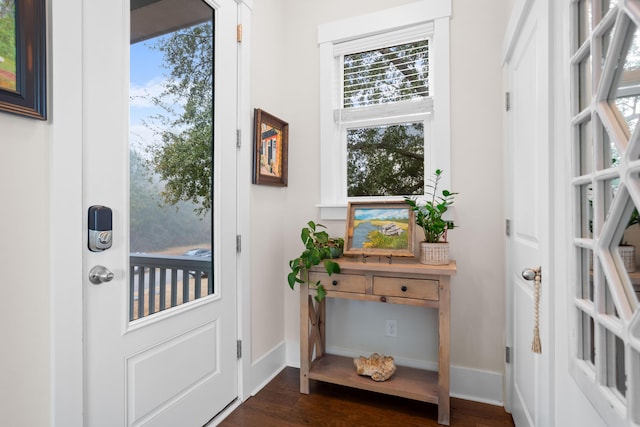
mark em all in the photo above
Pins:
pixel 429 215
pixel 319 247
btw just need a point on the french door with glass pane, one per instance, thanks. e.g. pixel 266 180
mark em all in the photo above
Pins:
pixel 605 107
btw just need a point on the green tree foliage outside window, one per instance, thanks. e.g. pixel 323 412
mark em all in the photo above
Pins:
pixel 184 157
pixel 386 160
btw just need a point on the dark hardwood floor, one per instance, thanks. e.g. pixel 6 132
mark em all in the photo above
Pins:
pixel 281 404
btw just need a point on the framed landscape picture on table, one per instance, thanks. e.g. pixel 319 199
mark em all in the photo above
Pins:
pixel 382 228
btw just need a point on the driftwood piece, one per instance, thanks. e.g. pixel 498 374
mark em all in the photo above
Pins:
pixel 378 366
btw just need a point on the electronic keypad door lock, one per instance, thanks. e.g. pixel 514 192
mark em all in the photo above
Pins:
pixel 100 228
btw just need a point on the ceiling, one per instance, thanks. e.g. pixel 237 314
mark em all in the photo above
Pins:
pixel 151 18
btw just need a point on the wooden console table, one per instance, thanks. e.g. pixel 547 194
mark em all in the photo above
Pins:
pixel 401 282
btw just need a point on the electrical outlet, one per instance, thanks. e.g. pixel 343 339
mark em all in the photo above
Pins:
pixel 392 328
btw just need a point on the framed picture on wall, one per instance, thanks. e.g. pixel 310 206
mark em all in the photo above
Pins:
pixel 382 228
pixel 23 81
pixel 270 154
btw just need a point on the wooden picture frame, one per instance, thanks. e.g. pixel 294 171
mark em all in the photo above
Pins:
pixel 380 228
pixel 24 87
pixel 271 145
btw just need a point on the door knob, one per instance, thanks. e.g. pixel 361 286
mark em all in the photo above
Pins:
pixel 535 274
pixel 99 274
pixel 530 273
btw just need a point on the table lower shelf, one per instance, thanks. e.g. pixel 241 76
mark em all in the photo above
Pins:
pixel 410 383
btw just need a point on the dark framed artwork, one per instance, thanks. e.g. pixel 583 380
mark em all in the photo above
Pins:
pixel 270 154
pixel 380 228
pixel 23 87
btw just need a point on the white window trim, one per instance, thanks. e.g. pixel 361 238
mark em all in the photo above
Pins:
pixel 425 14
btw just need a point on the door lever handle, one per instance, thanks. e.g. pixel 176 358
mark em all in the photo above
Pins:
pixel 99 274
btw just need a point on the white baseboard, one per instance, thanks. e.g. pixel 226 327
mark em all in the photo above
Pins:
pixel 466 383
pixel 477 385
pixel 266 368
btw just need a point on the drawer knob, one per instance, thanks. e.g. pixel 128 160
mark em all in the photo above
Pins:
pixel 383 299
pixel 334 283
pixel 404 288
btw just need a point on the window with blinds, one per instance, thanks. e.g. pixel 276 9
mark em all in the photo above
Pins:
pixel 382 77
pixel 384 98
pixel 389 74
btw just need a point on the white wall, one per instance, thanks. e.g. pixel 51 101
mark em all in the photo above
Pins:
pixel 268 204
pixel 40 259
pixel 285 82
pixel 24 270
pixel 477 102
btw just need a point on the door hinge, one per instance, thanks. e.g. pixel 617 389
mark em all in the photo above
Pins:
pixel 507 227
pixel 507 354
pixel 239 33
pixel 238 243
pixel 238 138
pixel 239 349
pixel 507 101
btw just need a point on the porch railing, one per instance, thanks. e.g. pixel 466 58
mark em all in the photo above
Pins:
pixel 158 282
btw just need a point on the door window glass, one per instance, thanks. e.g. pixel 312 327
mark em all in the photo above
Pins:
pixel 171 154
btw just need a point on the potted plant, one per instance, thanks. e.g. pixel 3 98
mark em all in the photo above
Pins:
pixel 434 249
pixel 319 247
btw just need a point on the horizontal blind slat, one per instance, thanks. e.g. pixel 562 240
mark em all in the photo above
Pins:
pixel 354 71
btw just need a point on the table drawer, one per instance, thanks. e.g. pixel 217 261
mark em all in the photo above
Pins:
pixel 340 282
pixel 406 288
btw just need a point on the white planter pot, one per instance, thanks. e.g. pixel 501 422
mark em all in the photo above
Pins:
pixel 628 255
pixel 434 253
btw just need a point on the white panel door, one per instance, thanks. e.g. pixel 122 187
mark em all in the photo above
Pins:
pixel 177 367
pixel 528 245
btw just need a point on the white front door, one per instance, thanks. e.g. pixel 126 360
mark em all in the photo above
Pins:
pixel 527 210
pixel 160 337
